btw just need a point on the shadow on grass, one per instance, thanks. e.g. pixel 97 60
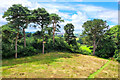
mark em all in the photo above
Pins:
pixel 40 59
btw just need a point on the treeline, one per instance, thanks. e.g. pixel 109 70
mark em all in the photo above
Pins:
pixel 15 41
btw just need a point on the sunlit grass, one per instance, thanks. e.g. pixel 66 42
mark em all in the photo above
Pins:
pixel 110 71
pixel 52 65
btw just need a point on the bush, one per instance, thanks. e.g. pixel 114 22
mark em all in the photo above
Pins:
pixel 7 50
pixel 26 51
pixel 117 55
pixel 105 49
pixel 59 45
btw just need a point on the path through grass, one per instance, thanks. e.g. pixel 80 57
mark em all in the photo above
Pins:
pixel 110 71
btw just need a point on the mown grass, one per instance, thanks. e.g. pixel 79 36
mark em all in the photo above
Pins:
pixel 110 71
pixel 52 65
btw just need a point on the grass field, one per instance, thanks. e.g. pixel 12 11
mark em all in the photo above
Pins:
pixel 111 71
pixel 57 65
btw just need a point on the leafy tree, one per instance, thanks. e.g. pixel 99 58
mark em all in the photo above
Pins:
pixel 8 33
pixel 14 16
pixel 95 30
pixel 106 47
pixel 55 19
pixel 41 18
pixel 69 36
pixel 115 36
pixel 8 39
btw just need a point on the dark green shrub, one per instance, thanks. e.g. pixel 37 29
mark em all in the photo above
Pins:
pixel 7 50
pixel 105 49
pixel 59 45
pixel 117 55
pixel 85 52
pixel 26 51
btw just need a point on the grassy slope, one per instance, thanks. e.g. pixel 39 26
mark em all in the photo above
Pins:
pixel 52 65
pixel 111 71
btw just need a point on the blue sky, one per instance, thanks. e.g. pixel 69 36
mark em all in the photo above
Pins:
pixel 72 11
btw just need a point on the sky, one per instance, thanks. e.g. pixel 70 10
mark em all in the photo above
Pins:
pixel 72 11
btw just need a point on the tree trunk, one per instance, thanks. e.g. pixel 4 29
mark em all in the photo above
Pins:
pixel 16 45
pixel 24 37
pixel 54 28
pixel 43 45
pixel 53 33
pixel 94 48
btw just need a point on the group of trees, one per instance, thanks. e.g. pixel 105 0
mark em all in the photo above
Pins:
pixel 20 17
pixel 95 33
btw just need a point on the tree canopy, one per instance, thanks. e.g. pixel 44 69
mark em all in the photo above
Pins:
pixel 95 30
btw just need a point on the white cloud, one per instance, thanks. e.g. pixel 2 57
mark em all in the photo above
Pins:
pixel 2 21
pixel 53 0
pixel 109 15
pixel 77 20
pixel 7 3
pixel 31 29
pixel 90 8
pixel 100 12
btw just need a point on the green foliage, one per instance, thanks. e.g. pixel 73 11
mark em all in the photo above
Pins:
pixel 41 17
pixel 80 40
pixel 69 36
pixel 8 33
pixel 109 44
pixel 84 49
pixel 117 55
pixel 55 20
pixel 7 50
pixel 26 51
pixel 115 34
pixel 106 48
pixel 75 48
pixel 14 15
pixel 59 45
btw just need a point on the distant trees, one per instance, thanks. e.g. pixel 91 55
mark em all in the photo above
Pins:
pixel 95 30
pixel 69 35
